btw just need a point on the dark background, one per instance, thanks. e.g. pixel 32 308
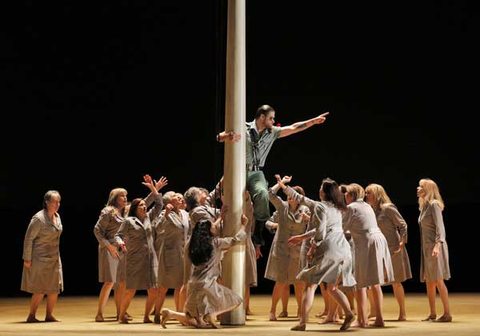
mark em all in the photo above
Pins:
pixel 95 96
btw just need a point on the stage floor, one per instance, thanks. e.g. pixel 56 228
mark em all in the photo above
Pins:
pixel 77 315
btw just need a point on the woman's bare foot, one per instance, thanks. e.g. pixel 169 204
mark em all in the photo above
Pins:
pixel 402 318
pixel 99 318
pixel 299 327
pixel 32 319
pixel 378 323
pixel 146 319
pixel 324 313
pixel 272 317
pixel 284 313
pixel 357 324
pixel 371 316
pixel 328 320
pixel 165 317
pixel 248 312
pixel 51 318
pixel 430 317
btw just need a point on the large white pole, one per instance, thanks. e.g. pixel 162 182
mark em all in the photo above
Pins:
pixel 233 270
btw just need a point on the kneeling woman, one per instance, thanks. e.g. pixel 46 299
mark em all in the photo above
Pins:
pixel 206 297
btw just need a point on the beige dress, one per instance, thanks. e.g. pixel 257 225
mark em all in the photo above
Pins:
pixel 333 257
pixel 205 294
pixel 41 247
pixel 432 230
pixel 251 279
pixel 372 263
pixel 170 247
pixel 394 228
pixel 283 260
pixel 142 261
pixel 105 229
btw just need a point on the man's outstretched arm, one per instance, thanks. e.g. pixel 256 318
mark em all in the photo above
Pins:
pixel 302 125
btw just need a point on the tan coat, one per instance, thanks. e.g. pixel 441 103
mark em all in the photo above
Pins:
pixel 142 262
pixel 105 229
pixel 41 247
pixel 432 230
pixel 372 261
pixel 394 228
pixel 283 260
pixel 204 294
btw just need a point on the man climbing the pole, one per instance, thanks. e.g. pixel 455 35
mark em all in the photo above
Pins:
pixel 260 135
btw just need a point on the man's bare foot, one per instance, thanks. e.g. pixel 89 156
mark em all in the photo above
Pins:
pixel 32 319
pixel 349 318
pixel 272 317
pixel 284 313
pixel 210 320
pixel 165 317
pixel 299 327
pixel 51 318
pixel 99 318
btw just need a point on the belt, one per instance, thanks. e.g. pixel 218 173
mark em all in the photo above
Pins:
pixel 253 168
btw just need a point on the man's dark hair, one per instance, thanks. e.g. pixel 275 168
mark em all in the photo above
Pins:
pixel 264 109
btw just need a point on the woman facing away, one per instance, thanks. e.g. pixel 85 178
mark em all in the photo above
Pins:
pixel 434 266
pixel 206 298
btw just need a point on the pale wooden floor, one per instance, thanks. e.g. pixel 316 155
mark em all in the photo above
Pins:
pixel 77 314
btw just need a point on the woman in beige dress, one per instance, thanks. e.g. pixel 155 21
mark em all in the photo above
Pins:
pixel 284 260
pixel 207 298
pixel 170 240
pixel 110 257
pixel 372 262
pixel 42 267
pixel 434 268
pixel 394 228
pixel 329 257
pixel 135 236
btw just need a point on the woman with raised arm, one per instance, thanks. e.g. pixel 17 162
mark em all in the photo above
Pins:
pixel 434 267
pixel 206 298
pixel 42 268
pixel 394 228
pixel 329 257
pixel 135 237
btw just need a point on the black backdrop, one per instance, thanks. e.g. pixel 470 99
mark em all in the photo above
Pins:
pixel 95 96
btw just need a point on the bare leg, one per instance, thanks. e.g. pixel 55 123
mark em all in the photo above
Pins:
pixel 183 318
pixel 247 300
pixel 326 301
pixel 361 297
pixel 299 288
pixel 378 299
pixel 371 301
pixel 182 298
pixel 276 294
pixel 119 292
pixel 285 298
pixel 342 300
pixel 211 318
pixel 127 297
pixel 151 296
pixel 51 303
pixel 431 293
pixel 307 301
pixel 34 303
pixel 332 315
pixel 102 300
pixel 351 299
pixel 159 300
pixel 443 291
pixel 399 293
pixel 176 298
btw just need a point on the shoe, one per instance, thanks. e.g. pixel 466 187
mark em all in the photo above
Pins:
pixel 430 318
pixel 299 327
pixel 348 321
pixel 444 318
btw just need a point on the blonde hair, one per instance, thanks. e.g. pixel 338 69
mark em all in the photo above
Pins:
pixel 356 191
pixel 167 197
pixel 432 194
pixel 112 202
pixel 379 194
